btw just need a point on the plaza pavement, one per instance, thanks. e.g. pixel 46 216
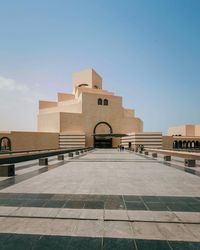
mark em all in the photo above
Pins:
pixel 104 199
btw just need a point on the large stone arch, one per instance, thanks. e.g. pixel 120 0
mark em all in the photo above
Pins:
pixel 101 132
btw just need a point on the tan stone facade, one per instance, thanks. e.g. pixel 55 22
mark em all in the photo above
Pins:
pixel 89 110
pixel 27 141
pixel 183 137
pixel 185 130
pixel 88 117
pixel 148 140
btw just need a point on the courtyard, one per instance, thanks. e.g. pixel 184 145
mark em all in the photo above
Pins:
pixel 104 199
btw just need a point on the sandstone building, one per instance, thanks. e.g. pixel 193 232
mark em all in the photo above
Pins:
pixel 90 112
pixel 88 117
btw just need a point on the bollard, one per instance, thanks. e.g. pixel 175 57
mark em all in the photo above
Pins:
pixel 146 153
pixel 61 157
pixel 76 153
pixel 154 155
pixel 167 157
pixel 43 161
pixel 7 170
pixel 70 154
pixel 190 163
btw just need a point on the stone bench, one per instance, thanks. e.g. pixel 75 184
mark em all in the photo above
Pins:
pixel 43 161
pixel 154 155
pixel 167 157
pixel 61 157
pixel 7 170
pixel 70 154
pixel 190 163
pixel 146 153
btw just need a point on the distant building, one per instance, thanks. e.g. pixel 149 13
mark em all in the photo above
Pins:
pixel 184 137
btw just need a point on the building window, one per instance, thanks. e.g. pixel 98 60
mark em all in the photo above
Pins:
pixel 105 102
pixel 100 101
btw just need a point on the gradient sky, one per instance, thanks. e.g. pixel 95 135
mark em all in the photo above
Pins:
pixel 148 51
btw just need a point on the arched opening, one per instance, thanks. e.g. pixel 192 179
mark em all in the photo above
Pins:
pixel 105 102
pixel 180 144
pixel 83 85
pixel 102 135
pixel 100 102
pixel 188 144
pixel 129 145
pixel 184 144
pixel 196 144
pixel 5 144
pixel 193 144
pixel 175 144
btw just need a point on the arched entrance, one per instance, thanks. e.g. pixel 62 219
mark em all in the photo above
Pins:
pixel 102 138
pixel 5 144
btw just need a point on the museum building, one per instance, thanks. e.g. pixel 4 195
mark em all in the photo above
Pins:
pixel 88 117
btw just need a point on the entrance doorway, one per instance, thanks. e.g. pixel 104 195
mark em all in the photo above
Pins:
pixel 102 138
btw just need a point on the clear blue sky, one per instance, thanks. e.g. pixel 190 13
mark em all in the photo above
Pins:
pixel 148 51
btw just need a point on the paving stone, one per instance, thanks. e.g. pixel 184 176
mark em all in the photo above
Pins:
pixel 20 242
pixel 152 244
pixel 52 243
pixel 118 244
pixel 74 204
pixel 117 229
pixel 157 206
pixel 84 243
pixel 181 245
pixel 135 206
pixel 94 204
pixel 116 215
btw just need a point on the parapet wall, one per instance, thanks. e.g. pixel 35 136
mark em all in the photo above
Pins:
pixel 26 141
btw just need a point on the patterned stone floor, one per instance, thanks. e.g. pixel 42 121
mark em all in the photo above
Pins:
pixel 104 199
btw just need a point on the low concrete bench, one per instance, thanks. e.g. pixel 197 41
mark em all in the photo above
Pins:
pixel 167 157
pixel 43 161
pixel 77 153
pixel 61 157
pixel 7 170
pixel 154 155
pixel 146 153
pixel 190 163
pixel 70 154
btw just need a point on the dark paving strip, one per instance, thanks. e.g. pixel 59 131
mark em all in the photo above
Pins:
pixel 130 202
pixel 42 242
pixel 19 178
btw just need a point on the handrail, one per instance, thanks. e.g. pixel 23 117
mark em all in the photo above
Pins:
pixel 182 154
pixel 33 155
pixel 27 151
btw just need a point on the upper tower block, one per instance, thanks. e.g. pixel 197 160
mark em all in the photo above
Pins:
pixel 87 78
